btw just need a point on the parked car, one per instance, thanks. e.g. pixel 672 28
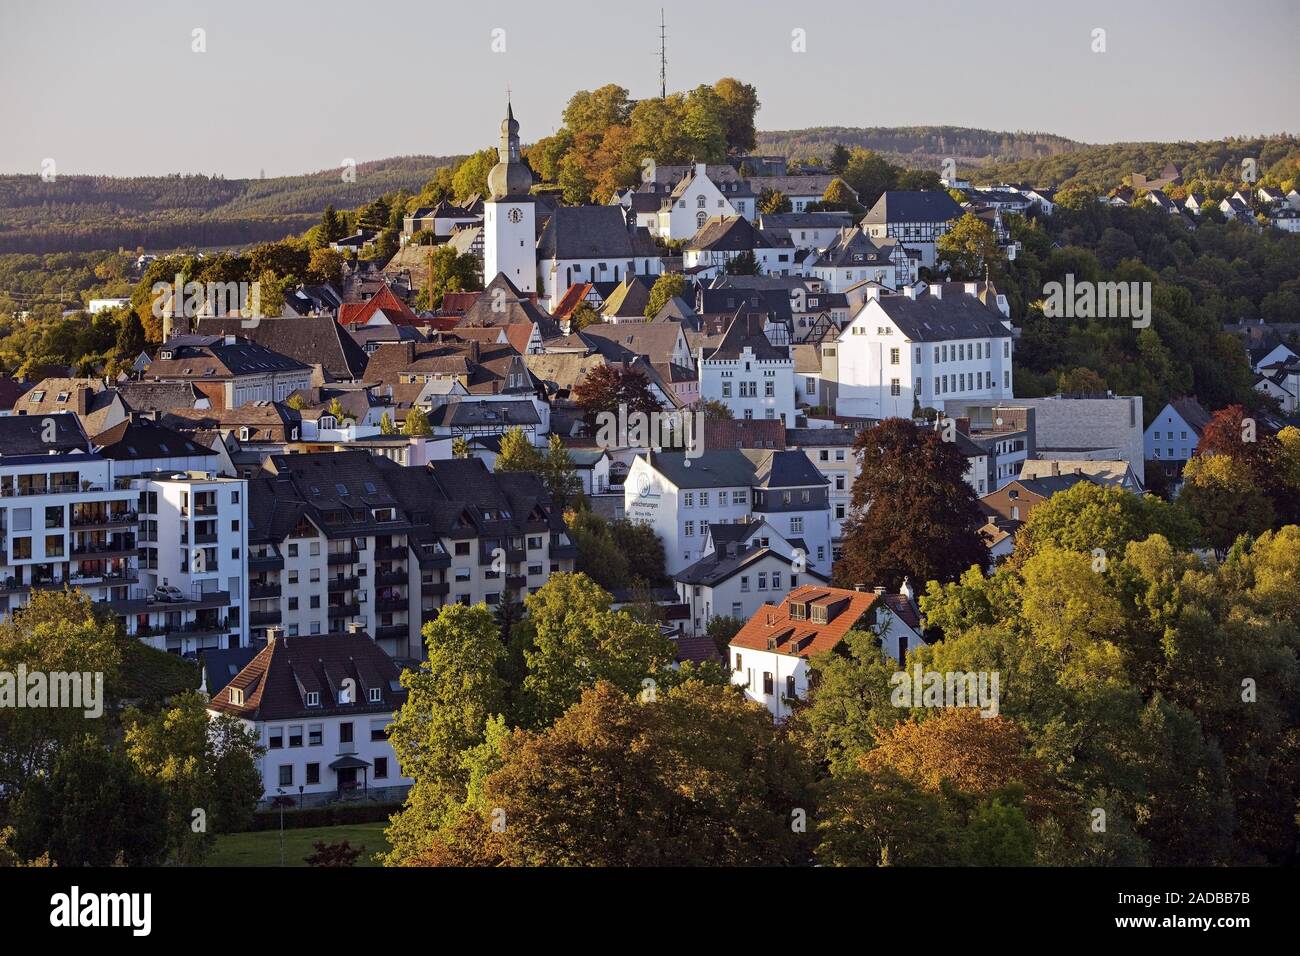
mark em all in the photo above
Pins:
pixel 169 593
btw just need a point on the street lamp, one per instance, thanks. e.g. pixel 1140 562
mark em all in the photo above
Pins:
pixel 281 802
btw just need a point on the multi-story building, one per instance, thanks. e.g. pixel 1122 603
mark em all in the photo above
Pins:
pixel 926 349
pixel 193 561
pixel 1171 438
pixel 64 520
pixel 831 452
pixel 915 218
pixel 321 706
pixel 349 538
pixel 165 550
pixel 231 371
pixel 748 374
pixel 680 497
pixel 744 565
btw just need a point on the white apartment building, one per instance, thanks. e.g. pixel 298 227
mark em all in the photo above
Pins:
pixel 321 706
pixel 831 452
pixel 680 497
pixel 922 349
pixel 748 374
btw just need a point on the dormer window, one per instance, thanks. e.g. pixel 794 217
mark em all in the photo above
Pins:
pixel 313 698
pixel 376 695
pixel 798 611
pixel 819 614
pixel 236 696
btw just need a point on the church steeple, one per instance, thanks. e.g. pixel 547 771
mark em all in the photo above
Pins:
pixel 509 177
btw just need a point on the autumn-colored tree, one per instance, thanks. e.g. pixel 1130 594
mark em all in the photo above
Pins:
pixel 689 776
pixel 1225 496
pixel 606 387
pixel 325 267
pixel 716 410
pixel 558 472
pixel 416 424
pixel 773 201
pixel 582 316
pixel 913 513
pixel 739 107
pixel 1081 381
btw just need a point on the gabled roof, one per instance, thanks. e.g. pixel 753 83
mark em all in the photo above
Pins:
pixel 276 683
pixel 728 234
pixel 385 300
pixel 930 318
pixel 713 569
pixel 1192 412
pixel 25 434
pixel 159 396
pixel 312 340
pixel 198 357
pixel 907 205
pixel 593 232
pixel 746 332
pixel 128 441
pixel 628 300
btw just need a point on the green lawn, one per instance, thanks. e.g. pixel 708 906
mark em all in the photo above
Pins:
pixel 262 848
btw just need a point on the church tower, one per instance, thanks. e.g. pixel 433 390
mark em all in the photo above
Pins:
pixel 509 216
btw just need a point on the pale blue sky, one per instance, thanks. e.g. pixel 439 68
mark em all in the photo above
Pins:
pixel 113 87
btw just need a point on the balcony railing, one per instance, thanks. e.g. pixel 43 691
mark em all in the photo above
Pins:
pixel 342 557
pixel 344 582
pixel 390 631
pixel 436 587
pixel 257 591
pixel 391 577
pixel 391 553
pixel 80 522
pixel 344 610
pixel 392 603
pixel 263 618
pixel 265 562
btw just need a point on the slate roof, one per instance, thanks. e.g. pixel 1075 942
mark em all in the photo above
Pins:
pixel 1192 412
pixel 913 206
pixel 746 331
pixel 158 396
pixel 275 684
pixel 712 569
pixel 929 318
pixel 23 434
pixel 813 185
pixel 215 357
pixel 853 247
pixel 728 234
pixel 593 232
pixel 730 468
pixel 130 440
pixel 820 437
pixel 311 340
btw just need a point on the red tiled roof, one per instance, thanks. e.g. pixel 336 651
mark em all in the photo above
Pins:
pixel 458 303
pixel 576 295
pixel 359 313
pixel 805 637
pixel 722 434
pixel 698 649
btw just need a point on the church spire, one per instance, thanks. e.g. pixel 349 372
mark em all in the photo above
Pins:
pixel 509 177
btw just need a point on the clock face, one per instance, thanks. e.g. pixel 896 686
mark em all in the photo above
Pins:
pixel 515 215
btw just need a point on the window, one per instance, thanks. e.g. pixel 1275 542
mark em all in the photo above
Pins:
pixel 688 499
pixel 762 580
pixel 776 580
pixel 796 525
pixel 313 773
pixel 314 732
pixel 381 768
pixel 275 738
pixel 810 385
pixel 704 499
pixel 744 583
pixel 894 387
pixel 286 775
pixel 345 733
pixel 313 699
pixel 789 687
pixel 295 736
pixel 893 356
pixel 738 659
pixel 726 390
pixel 769 389
pixel 767 682
pixel 376 695
pixel 379 730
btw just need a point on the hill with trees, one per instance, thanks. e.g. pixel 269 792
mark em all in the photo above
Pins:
pixel 917 146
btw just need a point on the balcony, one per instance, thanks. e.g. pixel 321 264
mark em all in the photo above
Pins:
pixel 344 583
pixel 263 618
pixel 391 577
pixel 204 537
pixel 392 631
pixel 394 553
pixel 266 562
pixel 342 557
pixel 436 588
pixel 219 626
pixel 99 521
pixel 203 509
pixel 106 549
pixel 439 559
pixel 141 602
pixel 258 591
pixel 392 603
pixel 344 610
pixel 516 582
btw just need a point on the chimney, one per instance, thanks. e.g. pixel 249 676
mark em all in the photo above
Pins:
pixel 859 587
pixel 936 290
pixel 80 399
pixel 230 340
pixel 879 589
pixel 963 424
pixel 1056 468
pixel 909 291
pixel 907 590
pixel 354 627
pixel 273 634
pixel 873 294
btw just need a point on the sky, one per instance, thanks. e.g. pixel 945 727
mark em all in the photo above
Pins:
pixel 117 88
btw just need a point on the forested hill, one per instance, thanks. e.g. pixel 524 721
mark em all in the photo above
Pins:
pixel 77 213
pixel 921 147
pixel 1104 167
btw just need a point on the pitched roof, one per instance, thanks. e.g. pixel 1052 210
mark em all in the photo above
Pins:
pixel 931 318
pixel 25 435
pixel 159 396
pixel 728 234
pixel 1192 412
pixel 128 441
pixel 746 332
pixel 744 433
pixel 275 685
pixel 593 232
pixel 397 311
pixel 909 205
pixel 312 340
pixel 773 629
pixel 200 357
